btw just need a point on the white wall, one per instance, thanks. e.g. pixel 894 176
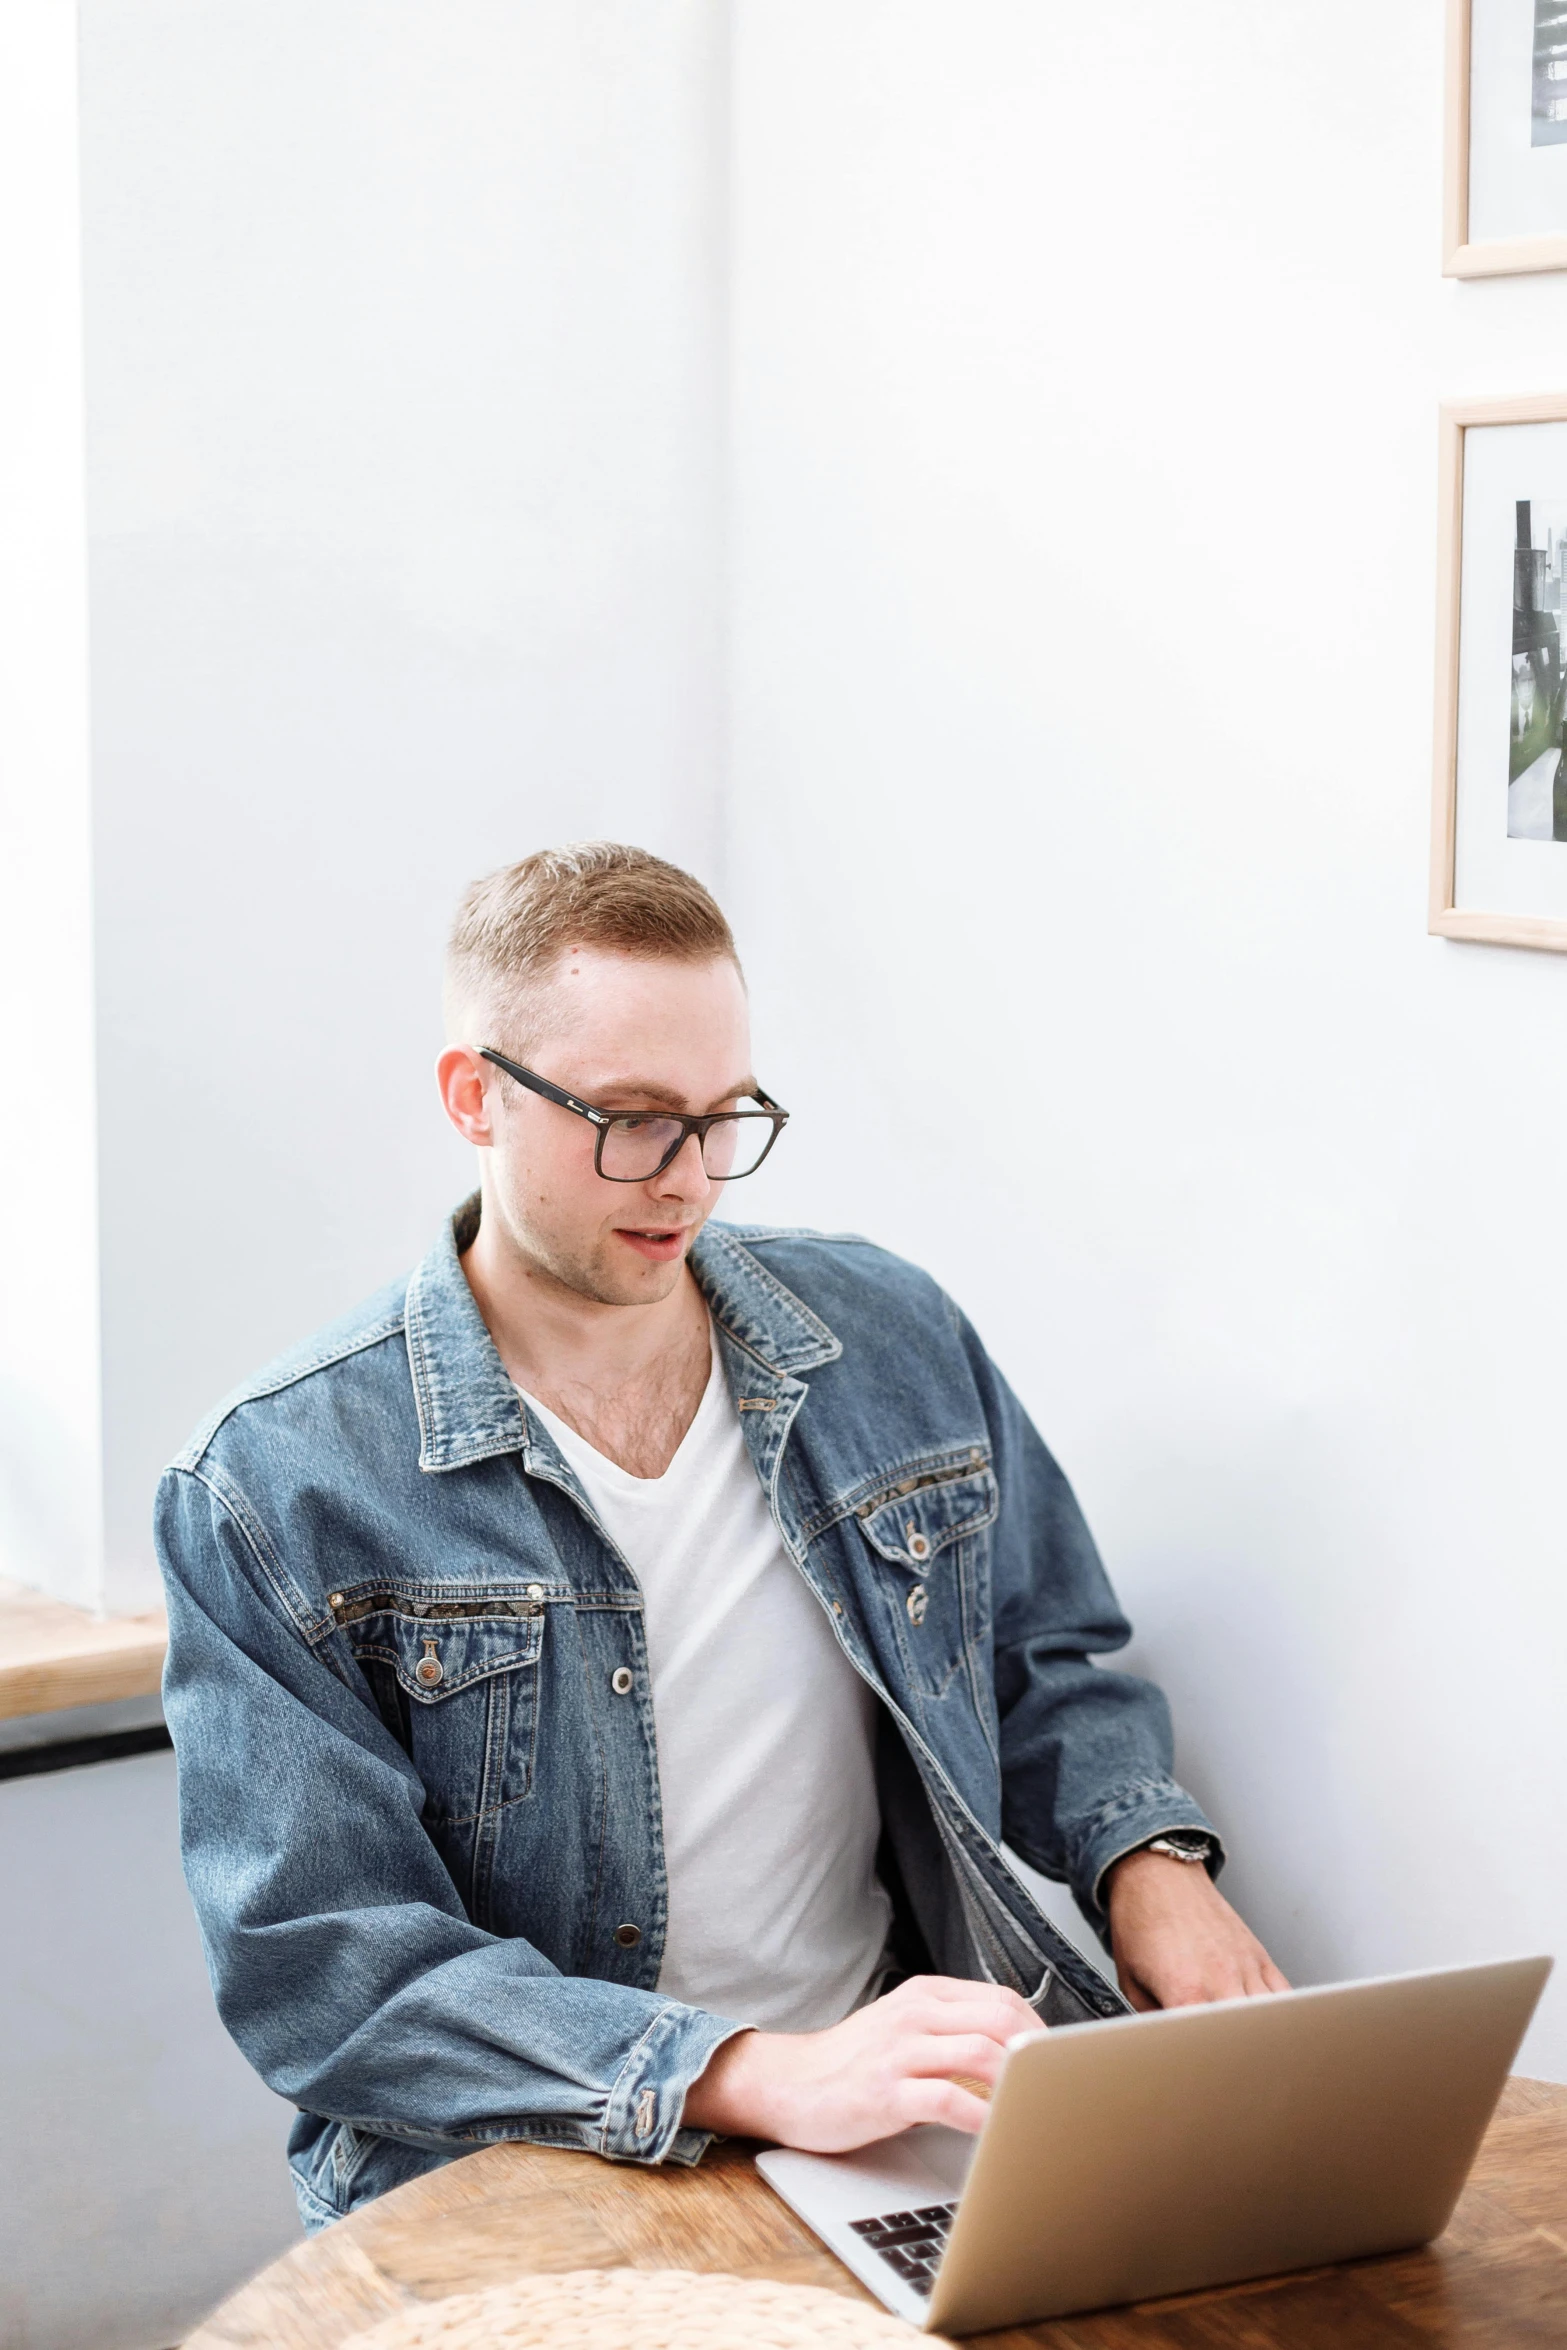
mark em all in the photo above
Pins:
pixel 1085 374
pixel 404 365
pixel 50 1485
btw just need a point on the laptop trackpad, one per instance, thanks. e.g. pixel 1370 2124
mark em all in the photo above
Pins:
pixel 927 2164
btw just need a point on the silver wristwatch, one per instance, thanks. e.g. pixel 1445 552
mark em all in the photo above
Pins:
pixel 1181 1844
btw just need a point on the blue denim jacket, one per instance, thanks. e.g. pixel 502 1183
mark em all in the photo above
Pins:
pixel 408 1688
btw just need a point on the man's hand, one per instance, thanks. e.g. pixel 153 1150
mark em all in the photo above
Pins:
pixel 883 2068
pixel 1177 1941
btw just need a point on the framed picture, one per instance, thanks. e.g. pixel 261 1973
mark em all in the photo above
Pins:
pixel 1499 816
pixel 1505 200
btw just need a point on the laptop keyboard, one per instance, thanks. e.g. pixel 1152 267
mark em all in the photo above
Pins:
pixel 910 2242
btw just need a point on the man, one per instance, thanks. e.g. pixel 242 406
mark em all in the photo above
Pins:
pixel 604 1668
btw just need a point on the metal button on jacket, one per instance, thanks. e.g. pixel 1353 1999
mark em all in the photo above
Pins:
pixel 620 1680
pixel 628 1936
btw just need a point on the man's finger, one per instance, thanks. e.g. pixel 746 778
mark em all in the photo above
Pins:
pixel 934 2053
pixel 963 1987
pixel 939 2101
pixel 989 2017
pixel 1013 2011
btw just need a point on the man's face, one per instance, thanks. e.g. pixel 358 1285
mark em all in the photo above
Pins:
pixel 623 1033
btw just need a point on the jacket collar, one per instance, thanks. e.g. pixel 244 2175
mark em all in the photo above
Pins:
pixel 753 1307
pixel 468 1408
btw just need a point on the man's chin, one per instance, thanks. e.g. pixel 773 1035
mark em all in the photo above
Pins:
pixel 622 1276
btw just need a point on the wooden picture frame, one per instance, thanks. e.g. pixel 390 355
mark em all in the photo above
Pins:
pixel 1448 919
pixel 1489 257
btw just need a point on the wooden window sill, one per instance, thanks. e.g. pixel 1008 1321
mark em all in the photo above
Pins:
pixel 53 1657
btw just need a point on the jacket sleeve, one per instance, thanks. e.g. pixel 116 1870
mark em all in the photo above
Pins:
pixel 342 1959
pixel 1086 1753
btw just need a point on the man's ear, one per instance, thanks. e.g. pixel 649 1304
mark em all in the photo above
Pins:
pixel 461 1074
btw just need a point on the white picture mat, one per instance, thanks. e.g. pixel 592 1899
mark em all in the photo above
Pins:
pixel 1492 874
pixel 1515 189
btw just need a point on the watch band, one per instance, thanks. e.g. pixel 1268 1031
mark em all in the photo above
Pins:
pixel 1189 1844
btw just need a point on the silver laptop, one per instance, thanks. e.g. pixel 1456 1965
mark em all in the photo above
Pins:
pixel 1155 2154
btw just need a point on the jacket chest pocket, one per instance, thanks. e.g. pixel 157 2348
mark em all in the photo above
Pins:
pixel 456 1682
pixel 925 1534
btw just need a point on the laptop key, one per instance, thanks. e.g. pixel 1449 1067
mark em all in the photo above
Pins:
pixel 940 2215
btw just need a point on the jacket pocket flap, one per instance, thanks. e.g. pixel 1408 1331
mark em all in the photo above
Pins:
pixel 928 1512
pixel 436 1648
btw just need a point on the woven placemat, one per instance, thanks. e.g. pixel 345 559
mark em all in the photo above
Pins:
pixel 642 2309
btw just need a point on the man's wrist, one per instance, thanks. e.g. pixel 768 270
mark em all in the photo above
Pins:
pixel 1182 1851
pixel 723 2097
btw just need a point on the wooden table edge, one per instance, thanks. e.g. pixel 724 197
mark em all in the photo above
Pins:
pixel 54 1657
pixel 460 2224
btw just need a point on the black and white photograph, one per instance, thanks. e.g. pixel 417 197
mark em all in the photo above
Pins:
pixel 1536 787
pixel 1505 191
pixel 1548 119
pixel 1499 812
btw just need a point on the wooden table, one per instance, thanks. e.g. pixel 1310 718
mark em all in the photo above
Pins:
pixel 1496 2281
pixel 53 1656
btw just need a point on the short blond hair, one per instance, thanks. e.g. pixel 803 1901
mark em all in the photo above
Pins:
pixel 513 926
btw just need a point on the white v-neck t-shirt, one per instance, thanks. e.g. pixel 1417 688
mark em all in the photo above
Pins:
pixel 765 1737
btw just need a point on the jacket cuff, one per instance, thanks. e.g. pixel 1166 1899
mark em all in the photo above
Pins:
pixel 1148 1807
pixel 642 2119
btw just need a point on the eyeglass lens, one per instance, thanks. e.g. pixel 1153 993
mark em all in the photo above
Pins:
pixel 634 1148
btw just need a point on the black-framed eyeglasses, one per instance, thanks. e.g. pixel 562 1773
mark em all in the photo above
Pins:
pixel 633 1146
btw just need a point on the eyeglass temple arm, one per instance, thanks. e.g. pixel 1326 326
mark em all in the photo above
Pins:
pixel 569 1101
pixel 551 1093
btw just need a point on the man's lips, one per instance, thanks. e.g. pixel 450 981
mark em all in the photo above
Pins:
pixel 660 1247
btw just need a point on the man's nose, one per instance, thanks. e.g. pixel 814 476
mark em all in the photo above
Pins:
pixel 685 1177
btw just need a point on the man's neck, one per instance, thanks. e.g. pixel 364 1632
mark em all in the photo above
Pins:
pixel 627 1378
